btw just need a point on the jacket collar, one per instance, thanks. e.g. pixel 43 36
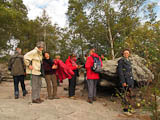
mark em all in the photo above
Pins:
pixel 36 48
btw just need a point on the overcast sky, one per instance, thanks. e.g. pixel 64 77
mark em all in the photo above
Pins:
pixel 56 9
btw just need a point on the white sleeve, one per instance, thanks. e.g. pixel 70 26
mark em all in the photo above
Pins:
pixel 28 57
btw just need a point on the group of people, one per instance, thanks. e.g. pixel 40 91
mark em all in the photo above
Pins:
pixel 35 63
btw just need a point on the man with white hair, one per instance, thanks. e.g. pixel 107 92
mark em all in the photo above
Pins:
pixel 33 61
pixel 17 68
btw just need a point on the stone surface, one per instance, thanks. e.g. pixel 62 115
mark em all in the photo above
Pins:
pixel 140 72
pixel 57 109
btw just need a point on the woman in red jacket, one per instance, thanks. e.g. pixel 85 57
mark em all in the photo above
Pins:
pixel 92 77
pixel 63 71
pixel 71 63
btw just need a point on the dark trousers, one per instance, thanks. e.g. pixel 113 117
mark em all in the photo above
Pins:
pixel 18 79
pixel 85 82
pixel 92 88
pixel 127 95
pixel 72 84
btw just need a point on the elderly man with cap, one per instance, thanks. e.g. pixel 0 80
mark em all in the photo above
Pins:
pixel 33 61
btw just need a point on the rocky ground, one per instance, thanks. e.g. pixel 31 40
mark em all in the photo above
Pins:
pixel 60 109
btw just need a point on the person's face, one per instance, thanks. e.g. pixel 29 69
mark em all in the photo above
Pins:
pixel 41 48
pixel 74 58
pixel 102 56
pixel 46 55
pixel 126 53
pixel 91 52
pixel 19 51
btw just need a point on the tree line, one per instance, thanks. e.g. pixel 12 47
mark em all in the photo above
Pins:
pixel 107 25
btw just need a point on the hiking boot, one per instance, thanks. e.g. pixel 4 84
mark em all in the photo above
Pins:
pixel 40 100
pixel 65 89
pixel 36 101
pixel 73 97
pixel 25 93
pixel 90 101
pixel 16 97
pixel 128 113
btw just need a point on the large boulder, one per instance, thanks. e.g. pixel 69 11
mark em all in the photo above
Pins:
pixel 5 75
pixel 140 72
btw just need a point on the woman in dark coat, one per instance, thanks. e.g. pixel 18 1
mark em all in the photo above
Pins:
pixel 125 70
pixel 50 76
pixel 126 77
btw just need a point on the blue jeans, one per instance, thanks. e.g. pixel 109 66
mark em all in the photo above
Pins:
pixel 18 79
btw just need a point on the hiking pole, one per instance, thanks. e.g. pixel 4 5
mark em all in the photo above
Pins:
pixel 31 78
pixel 30 85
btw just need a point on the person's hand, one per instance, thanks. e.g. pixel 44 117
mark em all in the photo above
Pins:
pixel 54 67
pixel 124 84
pixel 79 66
pixel 25 74
pixel 30 67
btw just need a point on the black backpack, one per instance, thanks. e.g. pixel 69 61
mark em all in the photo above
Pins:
pixel 96 65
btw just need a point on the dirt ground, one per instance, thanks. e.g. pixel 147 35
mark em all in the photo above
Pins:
pixel 60 109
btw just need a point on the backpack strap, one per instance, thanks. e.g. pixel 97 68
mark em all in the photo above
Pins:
pixel 95 57
pixel 92 57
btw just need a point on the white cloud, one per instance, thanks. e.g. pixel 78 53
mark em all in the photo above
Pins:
pixel 56 9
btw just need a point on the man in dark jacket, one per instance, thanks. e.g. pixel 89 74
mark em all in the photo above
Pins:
pixel 126 76
pixel 17 68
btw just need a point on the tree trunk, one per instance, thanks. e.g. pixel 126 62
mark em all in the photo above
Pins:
pixel 81 45
pixel 109 31
pixel 111 42
pixel 45 34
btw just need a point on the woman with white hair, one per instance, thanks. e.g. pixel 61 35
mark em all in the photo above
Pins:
pixel 33 61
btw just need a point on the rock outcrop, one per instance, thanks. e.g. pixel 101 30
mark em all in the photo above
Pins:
pixel 5 75
pixel 140 72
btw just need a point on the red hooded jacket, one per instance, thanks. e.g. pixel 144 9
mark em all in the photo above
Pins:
pixel 69 64
pixel 89 63
pixel 63 70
